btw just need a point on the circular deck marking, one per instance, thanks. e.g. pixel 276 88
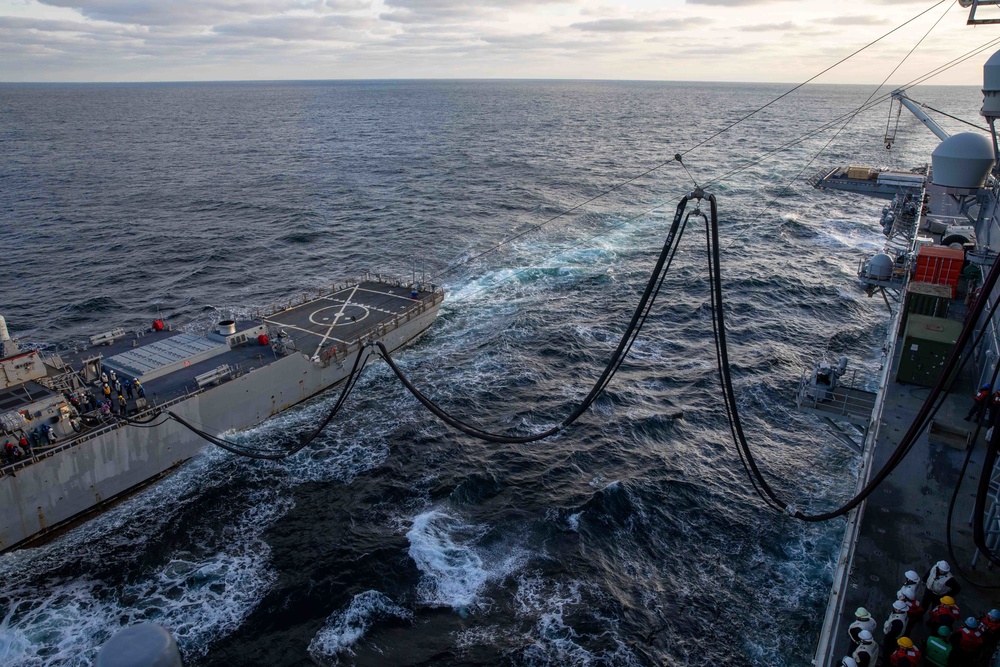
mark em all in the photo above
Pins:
pixel 324 316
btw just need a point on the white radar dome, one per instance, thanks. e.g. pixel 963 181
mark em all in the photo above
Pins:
pixel 880 267
pixel 991 86
pixel 962 161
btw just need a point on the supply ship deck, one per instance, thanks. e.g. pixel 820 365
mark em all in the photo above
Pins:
pixel 83 454
pixel 951 222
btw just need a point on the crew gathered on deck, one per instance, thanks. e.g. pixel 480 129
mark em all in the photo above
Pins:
pixel 862 621
pixel 89 412
pixel 866 654
pixel 930 604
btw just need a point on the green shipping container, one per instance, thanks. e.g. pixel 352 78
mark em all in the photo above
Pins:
pixel 927 343
pixel 925 299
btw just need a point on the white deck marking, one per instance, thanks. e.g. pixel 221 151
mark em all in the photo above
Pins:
pixel 367 307
pixel 336 318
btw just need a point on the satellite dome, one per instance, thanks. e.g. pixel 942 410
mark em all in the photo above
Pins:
pixel 880 267
pixel 962 161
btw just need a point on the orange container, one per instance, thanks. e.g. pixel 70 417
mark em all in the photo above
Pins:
pixel 939 265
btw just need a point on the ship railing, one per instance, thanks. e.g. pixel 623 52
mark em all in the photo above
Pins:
pixel 850 400
pixel 312 295
pixel 831 629
pixel 382 329
pixel 817 179
pixel 39 453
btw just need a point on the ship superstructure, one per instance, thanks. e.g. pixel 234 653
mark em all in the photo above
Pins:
pixel 943 239
pixel 78 423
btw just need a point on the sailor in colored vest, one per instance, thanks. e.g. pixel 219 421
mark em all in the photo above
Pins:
pixel 978 400
pixel 914 610
pixel 906 655
pixel 966 644
pixel 944 615
pixel 940 582
pixel 863 621
pixel 990 626
pixel 911 587
pixel 938 648
pixel 866 654
pixel 895 626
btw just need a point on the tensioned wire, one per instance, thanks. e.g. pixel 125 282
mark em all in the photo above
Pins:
pixel 614 367
pixel 750 163
pixel 456 265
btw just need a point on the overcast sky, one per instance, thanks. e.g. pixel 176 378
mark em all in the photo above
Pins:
pixel 697 40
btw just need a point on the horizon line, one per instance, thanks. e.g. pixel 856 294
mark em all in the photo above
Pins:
pixel 456 79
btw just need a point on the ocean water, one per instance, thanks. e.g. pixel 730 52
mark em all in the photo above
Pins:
pixel 632 538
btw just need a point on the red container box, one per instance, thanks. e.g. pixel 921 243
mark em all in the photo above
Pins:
pixel 939 265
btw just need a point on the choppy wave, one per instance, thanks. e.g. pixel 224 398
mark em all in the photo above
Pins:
pixel 394 539
pixel 344 629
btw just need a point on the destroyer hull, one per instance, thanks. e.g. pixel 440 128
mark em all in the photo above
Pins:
pixel 107 464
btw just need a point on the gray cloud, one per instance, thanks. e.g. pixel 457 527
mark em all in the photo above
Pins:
pixel 854 20
pixel 334 27
pixel 769 27
pixel 433 5
pixel 637 25
pixel 717 51
pixel 196 12
pixel 727 3
pixel 411 12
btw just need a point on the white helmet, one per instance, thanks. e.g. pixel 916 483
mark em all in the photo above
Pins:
pixel 900 605
pixel 912 577
pixel 865 636
pixel 943 566
pixel 848 662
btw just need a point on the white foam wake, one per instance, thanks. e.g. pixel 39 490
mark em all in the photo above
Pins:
pixel 343 629
pixel 455 569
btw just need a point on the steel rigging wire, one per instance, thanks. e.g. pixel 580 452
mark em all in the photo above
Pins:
pixel 872 104
pixel 451 268
pixel 625 344
pixel 619 356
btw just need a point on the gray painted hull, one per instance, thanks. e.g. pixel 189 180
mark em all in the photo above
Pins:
pixel 57 489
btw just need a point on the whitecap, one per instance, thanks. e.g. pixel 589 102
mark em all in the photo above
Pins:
pixel 344 629
pixel 454 569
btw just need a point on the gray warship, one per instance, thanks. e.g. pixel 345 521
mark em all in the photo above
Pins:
pixel 943 239
pixel 77 427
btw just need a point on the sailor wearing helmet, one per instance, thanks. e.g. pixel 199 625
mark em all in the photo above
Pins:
pixel 863 621
pixel 866 654
pixel 940 582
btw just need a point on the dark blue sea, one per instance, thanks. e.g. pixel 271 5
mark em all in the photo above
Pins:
pixel 631 538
